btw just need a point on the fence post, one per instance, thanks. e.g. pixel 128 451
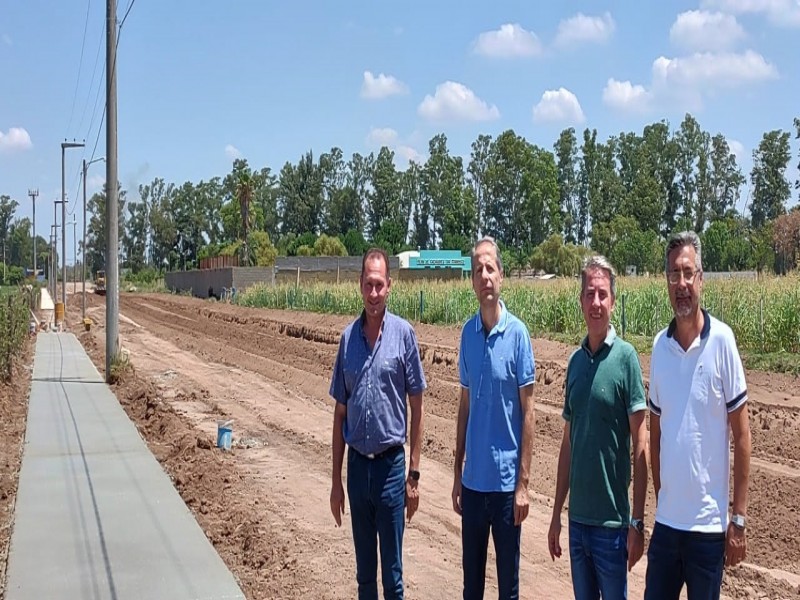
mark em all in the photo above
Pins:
pixel 761 319
pixel 421 304
pixel 623 315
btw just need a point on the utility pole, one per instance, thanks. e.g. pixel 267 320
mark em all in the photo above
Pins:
pixel 83 248
pixel 33 194
pixel 54 274
pixel 64 146
pixel 74 224
pixel 112 196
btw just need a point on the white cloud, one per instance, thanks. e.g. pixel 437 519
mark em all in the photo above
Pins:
pixel 409 154
pixel 7 40
pixel 456 102
pixel 382 86
pixel 582 28
pixel 17 139
pixel 738 149
pixel 404 153
pixel 381 136
pixel 707 70
pixel 95 183
pixel 559 105
pixel 623 95
pixel 785 13
pixel 702 30
pixel 232 152
pixel 510 41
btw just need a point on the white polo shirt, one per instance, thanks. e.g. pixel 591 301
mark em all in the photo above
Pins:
pixel 692 392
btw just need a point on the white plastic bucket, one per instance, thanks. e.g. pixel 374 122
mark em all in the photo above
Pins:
pixel 224 434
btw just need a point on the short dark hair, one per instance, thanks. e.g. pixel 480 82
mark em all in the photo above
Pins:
pixel 371 253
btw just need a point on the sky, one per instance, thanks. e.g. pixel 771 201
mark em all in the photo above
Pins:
pixel 202 83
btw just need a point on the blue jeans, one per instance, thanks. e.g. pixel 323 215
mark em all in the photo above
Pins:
pixel 480 513
pixel 676 557
pixel 377 493
pixel 599 560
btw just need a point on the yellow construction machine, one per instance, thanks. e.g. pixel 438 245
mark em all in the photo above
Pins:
pixel 100 283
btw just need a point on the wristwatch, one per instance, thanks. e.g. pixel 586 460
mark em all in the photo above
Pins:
pixel 638 525
pixel 413 474
pixel 738 521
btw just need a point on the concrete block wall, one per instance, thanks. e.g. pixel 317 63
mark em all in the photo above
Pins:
pixel 204 283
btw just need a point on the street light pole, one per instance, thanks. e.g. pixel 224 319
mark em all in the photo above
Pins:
pixel 64 146
pixel 54 264
pixel 33 194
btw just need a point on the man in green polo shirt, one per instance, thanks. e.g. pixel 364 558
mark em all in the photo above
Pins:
pixel 604 408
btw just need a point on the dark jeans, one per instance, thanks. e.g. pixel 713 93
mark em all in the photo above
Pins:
pixel 676 557
pixel 480 513
pixel 377 501
pixel 599 560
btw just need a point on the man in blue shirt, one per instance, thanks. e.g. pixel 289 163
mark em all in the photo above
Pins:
pixel 494 430
pixel 377 366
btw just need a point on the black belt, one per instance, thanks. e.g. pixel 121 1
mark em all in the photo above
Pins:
pixel 373 456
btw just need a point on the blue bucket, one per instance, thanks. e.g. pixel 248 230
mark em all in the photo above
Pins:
pixel 224 434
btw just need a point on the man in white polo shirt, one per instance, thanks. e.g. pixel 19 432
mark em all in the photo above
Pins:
pixel 697 396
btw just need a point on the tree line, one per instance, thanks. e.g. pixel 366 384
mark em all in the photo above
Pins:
pixel 545 207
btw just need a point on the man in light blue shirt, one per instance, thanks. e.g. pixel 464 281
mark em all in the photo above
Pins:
pixel 377 367
pixel 494 439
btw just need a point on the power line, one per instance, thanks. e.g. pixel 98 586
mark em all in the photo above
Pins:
pixel 91 85
pixel 80 65
pixel 116 46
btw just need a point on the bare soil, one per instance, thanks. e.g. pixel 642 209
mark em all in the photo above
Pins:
pixel 265 506
pixel 13 412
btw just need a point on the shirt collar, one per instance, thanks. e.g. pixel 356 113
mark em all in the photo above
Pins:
pixel 501 325
pixel 703 332
pixel 611 336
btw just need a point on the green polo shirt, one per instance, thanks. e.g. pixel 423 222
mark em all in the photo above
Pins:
pixel 602 390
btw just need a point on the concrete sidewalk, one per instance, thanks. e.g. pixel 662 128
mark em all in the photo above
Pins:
pixel 96 517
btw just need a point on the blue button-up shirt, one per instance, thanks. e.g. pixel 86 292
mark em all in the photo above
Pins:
pixel 493 365
pixel 374 383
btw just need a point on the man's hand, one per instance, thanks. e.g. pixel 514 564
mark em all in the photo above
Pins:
pixel 735 546
pixel 412 497
pixel 337 502
pixel 635 546
pixel 456 495
pixel 521 502
pixel 554 537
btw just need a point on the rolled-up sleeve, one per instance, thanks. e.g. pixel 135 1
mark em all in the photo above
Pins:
pixel 415 374
pixel 338 388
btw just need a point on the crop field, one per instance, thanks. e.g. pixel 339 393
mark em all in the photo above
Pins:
pixel 764 314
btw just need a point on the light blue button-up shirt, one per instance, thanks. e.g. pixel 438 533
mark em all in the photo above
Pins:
pixel 374 383
pixel 493 366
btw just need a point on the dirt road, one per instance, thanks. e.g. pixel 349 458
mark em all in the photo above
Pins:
pixel 265 504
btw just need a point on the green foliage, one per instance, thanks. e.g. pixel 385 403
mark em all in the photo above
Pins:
pixel 14 317
pixel 305 250
pixel 553 256
pixel 355 243
pixel 329 246
pixel 262 252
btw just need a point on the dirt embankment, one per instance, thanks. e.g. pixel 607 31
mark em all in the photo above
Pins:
pixel 265 504
pixel 13 414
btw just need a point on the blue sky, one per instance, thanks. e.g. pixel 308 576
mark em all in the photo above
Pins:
pixel 203 82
